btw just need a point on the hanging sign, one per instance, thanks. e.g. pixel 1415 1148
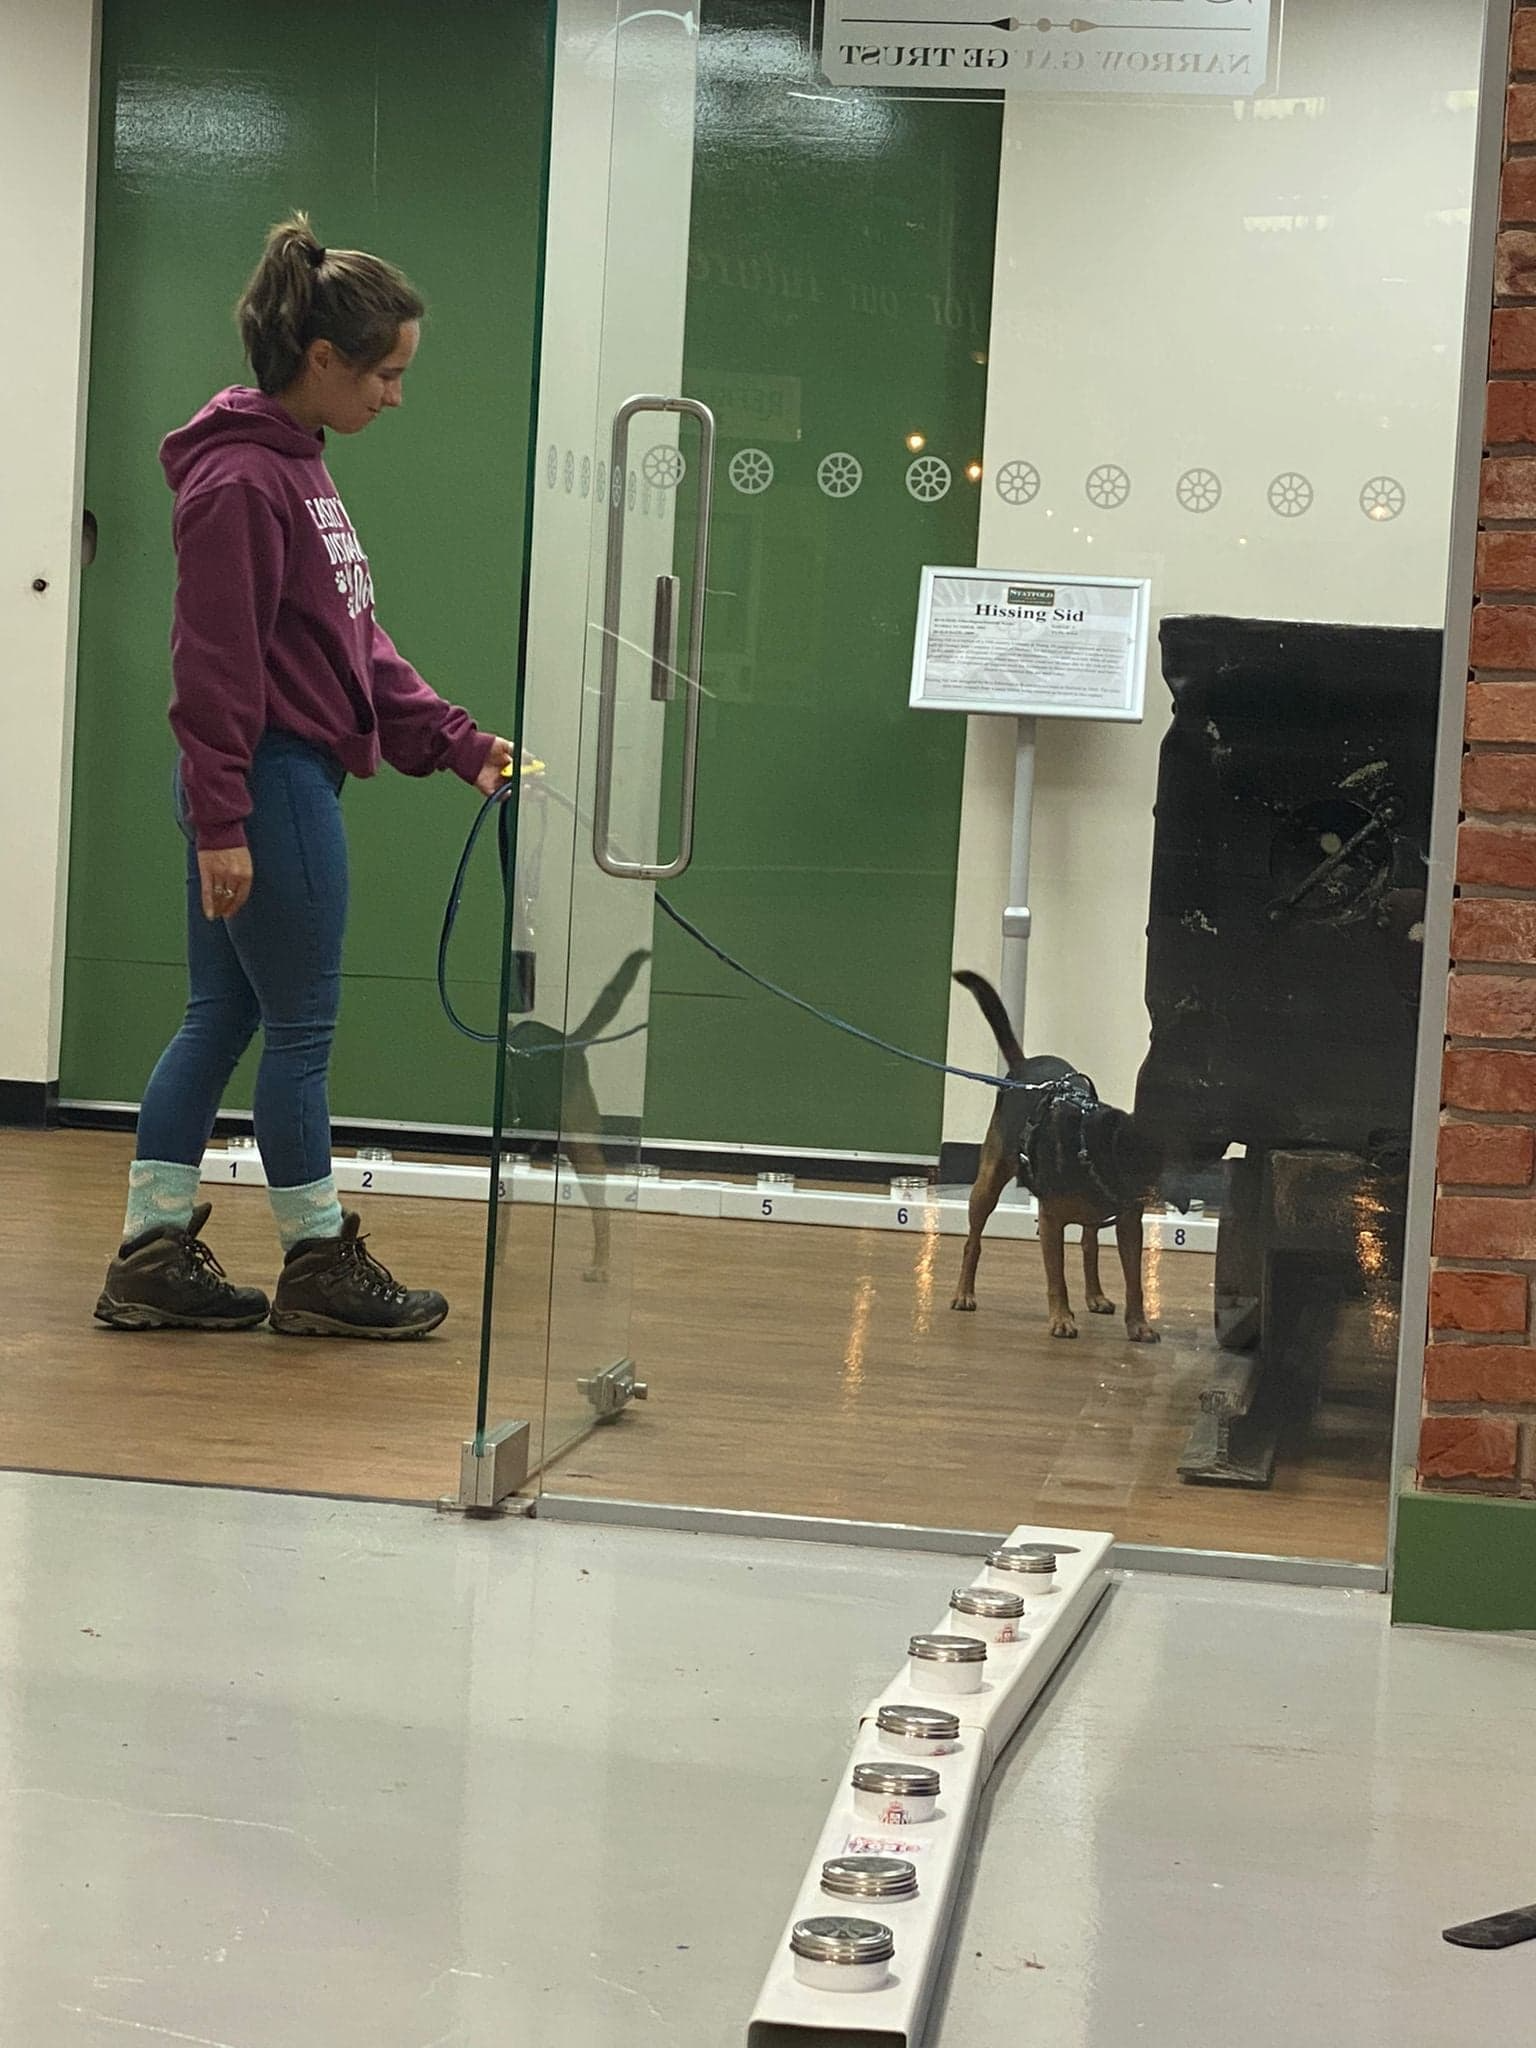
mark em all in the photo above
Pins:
pixel 1167 48
pixel 1031 646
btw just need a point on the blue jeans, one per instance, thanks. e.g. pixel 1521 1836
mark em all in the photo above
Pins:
pixel 277 963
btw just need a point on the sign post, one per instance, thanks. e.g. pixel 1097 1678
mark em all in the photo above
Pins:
pixel 1030 646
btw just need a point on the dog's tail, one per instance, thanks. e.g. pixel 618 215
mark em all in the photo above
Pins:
pixel 611 998
pixel 991 1006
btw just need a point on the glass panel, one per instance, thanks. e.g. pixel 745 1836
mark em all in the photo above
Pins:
pixel 607 495
pixel 1203 337
pixel 211 128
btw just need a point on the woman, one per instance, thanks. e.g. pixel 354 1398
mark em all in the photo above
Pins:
pixel 285 684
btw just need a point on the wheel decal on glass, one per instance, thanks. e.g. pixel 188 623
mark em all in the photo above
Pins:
pixel 928 479
pixel 751 471
pixel 1382 498
pixel 586 477
pixel 552 466
pixel 570 471
pixel 839 474
pixel 1108 486
pixel 602 481
pixel 664 468
pixel 1199 490
pixel 646 501
pixel 1018 483
pixel 1291 494
pixel 634 489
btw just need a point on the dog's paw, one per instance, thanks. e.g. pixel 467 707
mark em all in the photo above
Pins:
pixel 595 1276
pixel 965 1302
pixel 1101 1307
pixel 1142 1333
pixel 1063 1326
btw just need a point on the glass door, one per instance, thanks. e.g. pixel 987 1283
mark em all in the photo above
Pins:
pixel 614 642
pixel 1178 305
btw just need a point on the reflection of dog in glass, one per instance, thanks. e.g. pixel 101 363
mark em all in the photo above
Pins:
pixel 1083 1162
pixel 551 1092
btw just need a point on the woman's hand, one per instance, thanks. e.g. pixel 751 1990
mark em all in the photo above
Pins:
pixel 227 876
pixel 502 753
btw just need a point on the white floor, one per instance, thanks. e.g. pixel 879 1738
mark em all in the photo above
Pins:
pixel 280 1774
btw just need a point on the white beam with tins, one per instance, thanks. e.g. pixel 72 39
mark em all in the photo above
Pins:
pixel 791 2014
pixel 773 1199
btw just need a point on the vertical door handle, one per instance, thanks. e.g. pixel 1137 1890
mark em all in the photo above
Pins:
pixel 603 850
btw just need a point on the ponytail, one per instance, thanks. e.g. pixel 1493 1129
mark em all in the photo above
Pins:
pixel 301 292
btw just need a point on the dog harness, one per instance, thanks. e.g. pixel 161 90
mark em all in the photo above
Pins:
pixel 1073 1093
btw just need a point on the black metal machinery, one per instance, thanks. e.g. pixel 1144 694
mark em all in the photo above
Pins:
pixel 1283 961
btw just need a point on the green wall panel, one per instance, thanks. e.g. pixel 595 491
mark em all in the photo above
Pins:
pixel 393 1045
pixel 424 144
pixel 840 271
pixel 1463 1561
pixel 840 264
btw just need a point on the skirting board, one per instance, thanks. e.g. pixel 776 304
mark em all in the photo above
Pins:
pixel 790 2014
pixel 771 1200
pixel 29 1105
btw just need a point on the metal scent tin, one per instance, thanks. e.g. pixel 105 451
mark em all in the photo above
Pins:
pixel 917 1731
pixel 841 1954
pixel 869 1877
pixel 947 1664
pixel 1029 1571
pixel 993 1612
pixel 895 1795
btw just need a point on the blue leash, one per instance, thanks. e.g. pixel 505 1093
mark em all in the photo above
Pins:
pixel 685 924
pixel 761 981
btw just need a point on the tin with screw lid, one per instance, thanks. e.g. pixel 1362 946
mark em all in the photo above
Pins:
pixel 917 1731
pixel 1029 1570
pixel 992 1612
pixel 947 1664
pixel 869 1877
pixel 895 1795
pixel 837 1953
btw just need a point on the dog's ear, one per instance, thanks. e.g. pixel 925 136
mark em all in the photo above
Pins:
pixel 1176 1189
pixel 1144 1156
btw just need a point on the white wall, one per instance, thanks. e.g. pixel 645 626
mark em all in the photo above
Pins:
pixel 1249 288
pixel 48 174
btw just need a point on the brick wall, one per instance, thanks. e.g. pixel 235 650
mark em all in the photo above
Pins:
pixel 1479 1427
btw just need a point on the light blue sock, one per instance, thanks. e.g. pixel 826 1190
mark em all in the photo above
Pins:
pixel 161 1193
pixel 306 1212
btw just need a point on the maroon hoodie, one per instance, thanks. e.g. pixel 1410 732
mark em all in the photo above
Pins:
pixel 274 624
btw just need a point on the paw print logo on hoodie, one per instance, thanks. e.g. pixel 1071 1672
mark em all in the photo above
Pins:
pixel 354 580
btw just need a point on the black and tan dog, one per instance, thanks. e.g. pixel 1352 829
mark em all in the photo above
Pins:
pixel 1084 1163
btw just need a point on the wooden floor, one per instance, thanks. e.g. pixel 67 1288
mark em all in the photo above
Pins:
pixel 792 1370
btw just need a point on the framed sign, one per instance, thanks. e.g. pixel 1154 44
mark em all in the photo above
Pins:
pixel 1032 646
pixel 1163 48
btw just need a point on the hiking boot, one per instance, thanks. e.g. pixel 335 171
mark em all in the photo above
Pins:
pixel 335 1287
pixel 168 1279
